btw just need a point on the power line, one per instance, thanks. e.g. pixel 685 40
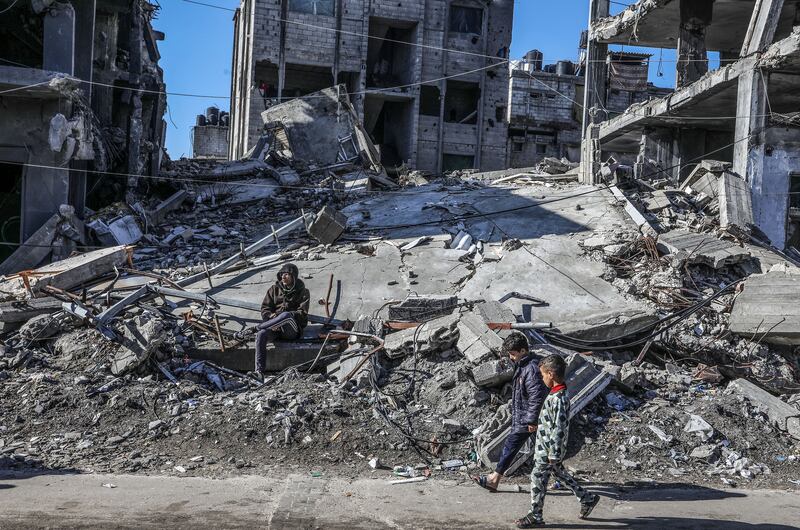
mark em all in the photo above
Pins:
pixel 288 98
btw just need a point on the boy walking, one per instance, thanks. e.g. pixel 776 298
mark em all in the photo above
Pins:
pixel 528 394
pixel 551 445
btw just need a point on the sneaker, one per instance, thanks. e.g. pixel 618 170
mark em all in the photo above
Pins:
pixel 530 521
pixel 587 507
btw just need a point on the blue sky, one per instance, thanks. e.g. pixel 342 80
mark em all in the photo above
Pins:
pixel 196 55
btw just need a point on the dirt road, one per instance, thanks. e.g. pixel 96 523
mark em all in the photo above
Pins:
pixel 304 501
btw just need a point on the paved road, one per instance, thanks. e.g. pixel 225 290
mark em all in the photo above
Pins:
pixel 301 501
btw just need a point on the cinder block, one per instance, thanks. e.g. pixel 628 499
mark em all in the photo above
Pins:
pixel 493 373
pixel 476 341
pixel 328 226
pixel 422 308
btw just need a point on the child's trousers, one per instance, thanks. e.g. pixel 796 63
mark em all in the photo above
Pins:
pixel 541 475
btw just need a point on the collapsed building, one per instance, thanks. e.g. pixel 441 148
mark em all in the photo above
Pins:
pixel 82 100
pixel 742 114
pixel 428 79
pixel 545 103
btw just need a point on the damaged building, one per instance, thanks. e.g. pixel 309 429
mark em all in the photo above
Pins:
pixel 82 99
pixel 743 114
pixel 210 135
pixel 545 111
pixel 428 79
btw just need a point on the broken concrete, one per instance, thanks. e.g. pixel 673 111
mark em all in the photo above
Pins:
pixel 768 309
pixel 328 226
pixel 782 415
pixel 476 341
pixel 706 248
pixel 424 307
pixel 436 335
pixel 493 373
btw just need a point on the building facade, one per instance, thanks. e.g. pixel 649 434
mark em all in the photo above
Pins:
pixel 423 106
pixel 545 110
pixel 81 97
pixel 744 113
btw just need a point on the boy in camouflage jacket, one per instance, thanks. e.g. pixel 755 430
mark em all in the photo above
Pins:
pixel 551 445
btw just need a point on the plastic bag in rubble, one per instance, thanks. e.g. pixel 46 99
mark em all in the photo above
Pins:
pixel 700 427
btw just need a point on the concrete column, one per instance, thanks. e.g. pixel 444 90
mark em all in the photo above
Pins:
pixel 59 39
pixel 135 127
pixel 749 135
pixel 84 43
pixel 443 88
pixel 594 93
pixel 695 17
pixel 596 70
pixel 282 51
pixel 763 24
pixel 482 88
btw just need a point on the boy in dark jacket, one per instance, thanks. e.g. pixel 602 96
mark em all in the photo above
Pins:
pixel 551 445
pixel 527 397
pixel 284 312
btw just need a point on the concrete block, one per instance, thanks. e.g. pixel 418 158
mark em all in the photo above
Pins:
pixel 493 373
pixel 280 355
pixel 328 226
pixel 782 415
pixel 476 341
pixel 425 307
pixel 437 335
pixel 494 311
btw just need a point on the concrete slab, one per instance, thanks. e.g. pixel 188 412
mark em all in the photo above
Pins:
pixel 280 355
pixel 783 415
pixel 702 248
pixel 768 308
pixel 436 335
pixel 580 302
pixel 476 341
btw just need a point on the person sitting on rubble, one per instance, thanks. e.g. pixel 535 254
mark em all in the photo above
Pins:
pixel 550 448
pixel 284 312
pixel 528 395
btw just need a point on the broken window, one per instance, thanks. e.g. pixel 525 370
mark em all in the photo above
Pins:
pixel 312 7
pixel 500 113
pixel 390 60
pixel 541 149
pixel 517 147
pixel 10 207
pixel 429 101
pixel 466 19
pixel 457 162
pixel 461 102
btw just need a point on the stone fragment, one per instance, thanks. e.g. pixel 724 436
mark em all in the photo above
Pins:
pixel 452 426
pixel 437 335
pixel 327 226
pixel 425 307
pixel 476 341
pixel 781 414
pixel 493 373
pixel 142 336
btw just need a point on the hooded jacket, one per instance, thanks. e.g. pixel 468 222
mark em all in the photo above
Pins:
pixel 528 395
pixel 280 298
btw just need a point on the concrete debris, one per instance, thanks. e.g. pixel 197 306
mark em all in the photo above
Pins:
pixel 142 337
pixel 328 226
pixel 432 336
pixel 493 373
pixel 476 341
pixel 424 307
pixel 690 247
pixel 767 307
pixel 781 414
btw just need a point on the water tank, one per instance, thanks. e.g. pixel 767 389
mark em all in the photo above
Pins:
pixel 212 115
pixel 200 121
pixel 534 58
pixel 225 119
pixel 565 68
pixel 550 68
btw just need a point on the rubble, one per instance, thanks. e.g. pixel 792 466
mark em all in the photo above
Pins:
pixel 405 336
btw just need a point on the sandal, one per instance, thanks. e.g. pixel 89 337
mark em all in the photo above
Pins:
pixel 483 482
pixel 530 521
